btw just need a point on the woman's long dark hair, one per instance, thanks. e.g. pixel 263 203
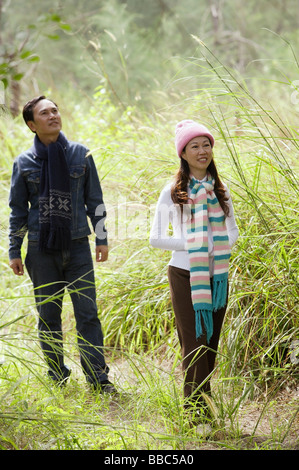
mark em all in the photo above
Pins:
pixel 179 190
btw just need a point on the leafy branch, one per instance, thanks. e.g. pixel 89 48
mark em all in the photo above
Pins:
pixel 16 54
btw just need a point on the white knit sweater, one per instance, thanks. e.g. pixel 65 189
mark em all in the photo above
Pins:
pixel 168 216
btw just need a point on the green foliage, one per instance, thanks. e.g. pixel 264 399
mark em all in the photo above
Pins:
pixel 135 49
pixel 18 50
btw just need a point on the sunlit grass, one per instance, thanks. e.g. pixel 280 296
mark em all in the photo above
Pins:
pixel 134 154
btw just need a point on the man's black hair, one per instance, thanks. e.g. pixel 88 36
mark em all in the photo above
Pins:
pixel 29 107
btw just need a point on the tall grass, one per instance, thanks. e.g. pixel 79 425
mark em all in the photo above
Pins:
pixel 263 322
pixel 256 152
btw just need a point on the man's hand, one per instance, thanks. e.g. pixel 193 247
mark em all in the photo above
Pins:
pixel 101 253
pixel 17 266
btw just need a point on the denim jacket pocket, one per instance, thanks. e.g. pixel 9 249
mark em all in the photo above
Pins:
pixel 33 180
pixel 77 174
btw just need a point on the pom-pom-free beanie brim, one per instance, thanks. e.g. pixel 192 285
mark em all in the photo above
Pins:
pixel 187 130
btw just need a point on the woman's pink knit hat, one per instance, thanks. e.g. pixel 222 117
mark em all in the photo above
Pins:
pixel 186 130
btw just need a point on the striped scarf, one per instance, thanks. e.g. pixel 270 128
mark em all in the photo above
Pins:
pixel 205 207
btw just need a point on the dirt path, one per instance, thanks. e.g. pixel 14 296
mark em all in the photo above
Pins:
pixel 261 423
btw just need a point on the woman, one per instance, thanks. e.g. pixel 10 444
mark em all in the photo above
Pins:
pixel 199 209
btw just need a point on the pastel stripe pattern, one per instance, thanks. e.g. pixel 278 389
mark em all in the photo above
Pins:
pixel 205 207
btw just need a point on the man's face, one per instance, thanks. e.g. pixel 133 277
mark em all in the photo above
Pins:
pixel 46 120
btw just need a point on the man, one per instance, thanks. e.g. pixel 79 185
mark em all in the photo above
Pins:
pixel 54 187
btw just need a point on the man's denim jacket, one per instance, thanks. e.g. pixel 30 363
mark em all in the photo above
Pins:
pixel 87 198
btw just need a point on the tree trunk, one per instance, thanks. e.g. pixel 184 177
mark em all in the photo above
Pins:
pixel 14 105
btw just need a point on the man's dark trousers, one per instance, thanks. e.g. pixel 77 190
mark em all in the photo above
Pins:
pixel 51 273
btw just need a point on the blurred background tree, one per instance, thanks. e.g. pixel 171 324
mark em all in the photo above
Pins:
pixel 139 51
pixel 19 41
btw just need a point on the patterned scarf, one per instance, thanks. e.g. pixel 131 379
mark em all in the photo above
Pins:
pixel 55 209
pixel 205 207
